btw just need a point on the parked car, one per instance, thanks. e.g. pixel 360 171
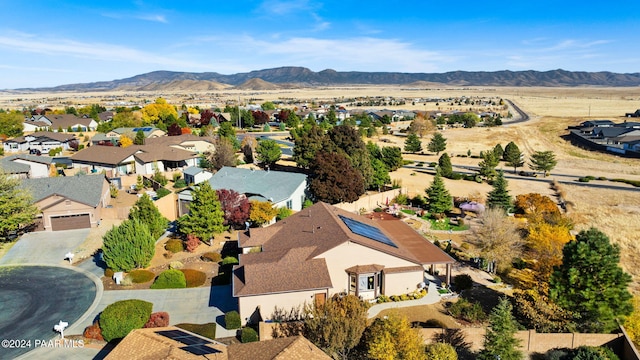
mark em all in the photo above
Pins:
pixel 35 152
pixel 528 173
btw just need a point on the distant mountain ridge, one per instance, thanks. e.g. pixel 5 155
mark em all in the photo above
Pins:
pixel 302 76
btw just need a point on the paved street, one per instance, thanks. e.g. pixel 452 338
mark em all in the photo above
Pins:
pixel 44 247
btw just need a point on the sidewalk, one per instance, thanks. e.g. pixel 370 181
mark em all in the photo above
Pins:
pixel 432 297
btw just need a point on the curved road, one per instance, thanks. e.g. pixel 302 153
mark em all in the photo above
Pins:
pixel 35 298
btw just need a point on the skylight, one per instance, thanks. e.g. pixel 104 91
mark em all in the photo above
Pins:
pixel 368 231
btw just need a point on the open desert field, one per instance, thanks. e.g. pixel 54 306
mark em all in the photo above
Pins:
pixel 615 211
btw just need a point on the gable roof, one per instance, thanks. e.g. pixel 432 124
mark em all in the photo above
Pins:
pixel 31 158
pixel 66 120
pixel 289 348
pixel 111 155
pixel 275 186
pixel 176 140
pixel 40 136
pixel 292 248
pixel 146 130
pixel 85 189
pixel 151 154
pixel 11 167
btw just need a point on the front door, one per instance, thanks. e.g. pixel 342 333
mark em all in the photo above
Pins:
pixel 320 298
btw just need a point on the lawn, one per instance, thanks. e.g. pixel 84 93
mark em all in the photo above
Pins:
pixel 444 224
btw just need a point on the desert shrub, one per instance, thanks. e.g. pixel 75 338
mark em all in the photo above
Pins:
pixel 192 242
pixel 584 179
pixel 382 299
pixel 119 318
pixel 158 319
pixel 162 192
pixel 283 213
pixel 456 176
pixel 176 265
pixel 174 245
pixel 179 184
pixel 434 323
pixel 420 164
pixel 248 335
pixel 232 320
pixel 211 256
pixel 194 278
pixel 93 332
pixel 229 260
pixel 207 330
pixel 468 311
pixel 176 176
pixel 108 273
pixel 440 351
pixel 141 276
pixel 126 281
pixel 635 183
pixel 602 178
pixel 170 279
pixel 463 282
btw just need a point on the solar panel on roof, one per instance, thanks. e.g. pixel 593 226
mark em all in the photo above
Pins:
pixel 136 129
pixel 146 129
pixel 183 337
pixel 200 349
pixel 368 231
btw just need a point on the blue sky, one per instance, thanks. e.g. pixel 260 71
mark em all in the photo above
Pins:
pixel 49 43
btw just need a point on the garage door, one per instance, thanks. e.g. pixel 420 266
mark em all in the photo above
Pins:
pixel 70 222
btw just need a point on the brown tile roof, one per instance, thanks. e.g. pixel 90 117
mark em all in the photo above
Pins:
pixel 176 140
pixel 291 348
pixel 147 344
pixel 155 153
pixel 280 271
pixel 65 120
pixel 364 269
pixel 291 248
pixel 62 137
pixel 111 155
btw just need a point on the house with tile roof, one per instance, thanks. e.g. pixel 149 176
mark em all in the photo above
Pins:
pixel 115 134
pixel 71 202
pixel 54 122
pixel 189 142
pixel 42 141
pixel 175 343
pixel 35 166
pixel 322 251
pixel 280 188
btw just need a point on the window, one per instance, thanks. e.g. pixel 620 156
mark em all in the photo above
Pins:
pixel 366 282
pixel 289 204
pixel 352 284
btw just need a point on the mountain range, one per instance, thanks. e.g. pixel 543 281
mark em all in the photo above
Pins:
pixel 302 77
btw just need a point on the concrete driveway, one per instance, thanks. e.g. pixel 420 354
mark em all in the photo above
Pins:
pixel 44 247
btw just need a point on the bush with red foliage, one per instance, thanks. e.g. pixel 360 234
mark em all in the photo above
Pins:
pixel 192 242
pixel 93 332
pixel 158 319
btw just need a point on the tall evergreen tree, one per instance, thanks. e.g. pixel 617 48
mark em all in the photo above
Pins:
pixel 499 197
pixel 268 152
pixel 488 164
pixel 412 144
pixel 205 217
pixel 307 143
pixel 500 341
pixel 498 151
pixel 146 212
pixel 439 200
pixel 128 246
pixel 437 144
pixel 590 282
pixel 346 141
pixel 444 164
pixel 513 156
pixel 392 156
pixel 139 139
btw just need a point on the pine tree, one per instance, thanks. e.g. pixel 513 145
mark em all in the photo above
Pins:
pixel 543 161
pixel 513 156
pixel 437 144
pixel 500 341
pixel 205 217
pixel 412 144
pixel 590 282
pixel 128 246
pixel 140 138
pixel 444 164
pixel 488 164
pixel 146 212
pixel 439 200
pixel 498 151
pixel 499 197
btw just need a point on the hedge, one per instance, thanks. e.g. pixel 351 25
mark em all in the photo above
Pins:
pixel 170 279
pixel 232 320
pixel 229 260
pixel 194 278
pixel 248 335
pixel 212 256
pixel 141 276
pixel 174 245
pixel 207 330
pixel 119 318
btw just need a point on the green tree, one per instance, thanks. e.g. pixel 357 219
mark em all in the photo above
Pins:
pixel 513 156
pixel 120 318
pixel 345 140
pixel 337 325
pixel 543 161
pixel 380 174
pixel 226 130
pixel 331 117
pixel 268 105
pixel 307 143
pixel 412 144
pixel 499 197
pixel 128 246
pixel 16 206
pixel 393 338
pixel 444 165
pixel 590 282
pixel 334 180
pixel 439 200
pixel 140 138
pixel 268 152
pixel 498 151
pixel 488 164
pixel 11 124
pixel 392 156
pixel 499 340
pixel 146 212
pixel 437 144
pixel 205 217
